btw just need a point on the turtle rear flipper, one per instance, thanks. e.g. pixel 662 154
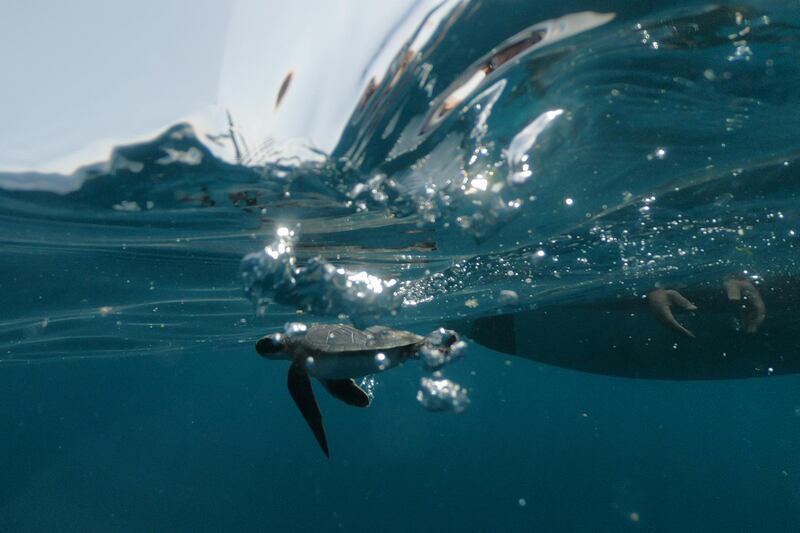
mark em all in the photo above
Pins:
pixel 347 391
pixel 303 396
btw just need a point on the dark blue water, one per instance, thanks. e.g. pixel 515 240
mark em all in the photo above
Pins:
pixel 131 398
pixel 213 442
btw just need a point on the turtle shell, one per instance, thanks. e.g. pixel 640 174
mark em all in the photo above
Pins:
pixel 342 338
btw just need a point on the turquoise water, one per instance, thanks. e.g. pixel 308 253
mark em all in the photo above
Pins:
pixel 664 156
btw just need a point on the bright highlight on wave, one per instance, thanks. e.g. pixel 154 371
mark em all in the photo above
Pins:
pixel 318 287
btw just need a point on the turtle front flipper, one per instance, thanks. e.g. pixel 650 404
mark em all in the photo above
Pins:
pixel 347 391
pixel 303 395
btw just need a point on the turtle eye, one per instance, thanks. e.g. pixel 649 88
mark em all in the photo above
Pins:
pixel 269 345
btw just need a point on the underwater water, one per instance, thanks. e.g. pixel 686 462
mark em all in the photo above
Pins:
pixel 526 174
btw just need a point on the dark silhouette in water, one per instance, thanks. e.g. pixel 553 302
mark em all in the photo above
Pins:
pixel 728 334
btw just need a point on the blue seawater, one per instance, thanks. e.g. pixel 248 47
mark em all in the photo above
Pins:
pixel 658 148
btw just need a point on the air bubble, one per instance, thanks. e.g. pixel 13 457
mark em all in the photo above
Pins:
pixel 295 329
pixel 381 361
pixel 441 347
pixel 508 297
pixel 442 395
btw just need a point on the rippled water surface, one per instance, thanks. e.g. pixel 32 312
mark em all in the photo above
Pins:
pixel 548 165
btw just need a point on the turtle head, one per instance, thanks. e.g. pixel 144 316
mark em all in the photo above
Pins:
pixel 272 346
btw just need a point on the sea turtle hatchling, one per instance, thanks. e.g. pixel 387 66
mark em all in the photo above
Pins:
pixel 335 354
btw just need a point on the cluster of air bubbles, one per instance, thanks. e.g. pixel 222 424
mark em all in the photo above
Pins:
pixel 489 201
pixel 737 25
pixel 381 191
pixel 270 270
pixel 367 384
pixel 437 393
pixel 489 215
pixel 440 347
pixel 440 394
pixel 742 51
pixel 647 39
pixel 295 329
pixel 318 287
